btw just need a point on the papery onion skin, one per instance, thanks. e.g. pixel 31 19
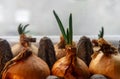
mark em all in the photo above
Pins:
pixel 106 65
pixel 24 41
pixel 60 48
pixel 70 67
pixel 59 52
pixel 81 69
pixel 16 48
pixel 105 60
pixel 31 68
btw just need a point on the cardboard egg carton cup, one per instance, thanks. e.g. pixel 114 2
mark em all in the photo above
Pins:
pixel 113 39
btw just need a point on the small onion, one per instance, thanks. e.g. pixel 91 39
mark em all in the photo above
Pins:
pixel 105 59
pixel 106 65
pixel 70 66
pixel 26 65
pixel 24 41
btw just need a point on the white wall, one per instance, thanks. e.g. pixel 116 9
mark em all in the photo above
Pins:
pixel 88 16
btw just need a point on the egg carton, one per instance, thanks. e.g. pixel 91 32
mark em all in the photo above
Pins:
pixel 113 39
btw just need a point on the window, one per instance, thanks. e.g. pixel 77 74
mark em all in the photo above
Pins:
pixel 1 13
pixel 22 16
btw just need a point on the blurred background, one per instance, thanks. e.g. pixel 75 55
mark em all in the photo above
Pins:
pixel 88 16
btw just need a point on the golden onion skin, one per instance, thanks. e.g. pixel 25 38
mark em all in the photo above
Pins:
pixel 60 48
pixel 24 41
pixel 70 67
pixel 17 48
pixel 59 52
pixel 105 59
pixel 106 65
pixel 30 68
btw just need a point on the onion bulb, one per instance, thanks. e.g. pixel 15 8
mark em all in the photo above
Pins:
pixel 26 65
pixel 60 48
pixel 69 66
pixel 106 59
pixel 23 41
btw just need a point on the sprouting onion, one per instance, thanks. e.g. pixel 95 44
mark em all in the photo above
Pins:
pixel 22 29
pixel 24 40
pixel 101 33
pixel 68 35
pixel 105 59
pixel 69 66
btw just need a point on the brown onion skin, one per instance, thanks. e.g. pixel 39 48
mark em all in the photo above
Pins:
pixel 60 48
pixel 59 52
pixel 74 69
pixel 31 68
pixel 108 65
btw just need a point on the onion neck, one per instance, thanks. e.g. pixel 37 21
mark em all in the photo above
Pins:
pixel 25 41
pixel 105 47
pixel 70 56
pixel 62 43
pixel 70 52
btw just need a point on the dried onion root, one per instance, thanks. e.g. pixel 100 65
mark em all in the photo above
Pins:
pixel 70 66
